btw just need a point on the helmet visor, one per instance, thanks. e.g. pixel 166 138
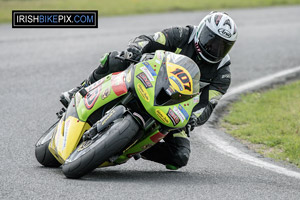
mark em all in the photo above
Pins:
pixel 213 46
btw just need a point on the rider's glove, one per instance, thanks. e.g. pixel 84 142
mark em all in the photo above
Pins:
pixel 201 116
pixel 191 124
pixel 134 53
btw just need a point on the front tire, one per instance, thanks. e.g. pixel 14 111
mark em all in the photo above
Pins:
pixel 42 153
pixel 92 153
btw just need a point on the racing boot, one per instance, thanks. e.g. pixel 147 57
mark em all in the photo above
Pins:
pixel 101 71
pixel 108 64
pixel 65 97
pixel 174 152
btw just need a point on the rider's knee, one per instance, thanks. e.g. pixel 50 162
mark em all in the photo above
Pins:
pixel 181 158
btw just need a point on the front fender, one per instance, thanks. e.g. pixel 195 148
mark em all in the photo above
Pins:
pixel 111 116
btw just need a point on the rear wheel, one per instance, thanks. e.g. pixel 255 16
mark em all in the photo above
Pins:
pixel 92 153
pixel 42 153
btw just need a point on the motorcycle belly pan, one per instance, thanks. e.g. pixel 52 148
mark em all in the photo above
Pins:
pixel 67 137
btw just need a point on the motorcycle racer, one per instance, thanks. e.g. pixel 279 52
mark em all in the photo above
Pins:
pixel 208 45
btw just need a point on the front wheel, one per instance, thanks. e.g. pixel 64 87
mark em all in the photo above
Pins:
pixel 42 153
pixel 92 153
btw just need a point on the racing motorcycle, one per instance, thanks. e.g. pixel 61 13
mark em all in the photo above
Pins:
pixel 122 115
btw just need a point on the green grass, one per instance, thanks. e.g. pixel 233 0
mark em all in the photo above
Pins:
pixel 268 122
pixel 125 7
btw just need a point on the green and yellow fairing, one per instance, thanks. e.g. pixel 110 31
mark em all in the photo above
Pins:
pixel 168 87
pixel 74 122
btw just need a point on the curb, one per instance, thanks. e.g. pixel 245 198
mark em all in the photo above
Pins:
pixel 223 144
pixel 264 83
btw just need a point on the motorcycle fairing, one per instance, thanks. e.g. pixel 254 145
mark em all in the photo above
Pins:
pixel 73 124
pixel 136 148
pixel 67 135
pixel 100 93
pixel 162 70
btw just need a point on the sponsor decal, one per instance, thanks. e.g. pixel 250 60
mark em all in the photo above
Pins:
pixel 96 84
pixel 183 111
pixel 170 90
pixel 91 98
pixel 196 99
pixel 224 32
pixel 160 55
pixel 143 92
pixel 144 79
pixel 226 76
pixel 157 61
pixel 150 68
pixel 118 84
pixel 173 78
pixel 148 74
pixel 174 118
pixel 162 116
pixel 179 114
pixel 157 137
pixel 67 125
pixel 106 117
pixel 105 93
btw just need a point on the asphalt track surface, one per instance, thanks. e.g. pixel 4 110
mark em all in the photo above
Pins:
pixel 37 64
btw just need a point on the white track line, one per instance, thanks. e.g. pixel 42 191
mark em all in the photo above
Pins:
pixel 218 143
pixel 262 81
pixel 224 147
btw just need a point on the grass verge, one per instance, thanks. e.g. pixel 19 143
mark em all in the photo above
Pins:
pixel 125 7
pixel 268 122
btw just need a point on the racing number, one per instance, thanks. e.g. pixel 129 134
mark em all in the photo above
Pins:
pixel 183 78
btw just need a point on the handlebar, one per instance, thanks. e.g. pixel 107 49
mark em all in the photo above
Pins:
pixel 126 59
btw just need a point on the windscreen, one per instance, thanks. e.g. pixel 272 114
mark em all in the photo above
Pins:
pixel 183 73
pixel 183 80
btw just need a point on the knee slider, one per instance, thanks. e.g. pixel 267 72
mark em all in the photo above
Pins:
pixel 182 157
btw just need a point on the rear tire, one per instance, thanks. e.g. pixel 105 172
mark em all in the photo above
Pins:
pixel 92 153
pixel 42 153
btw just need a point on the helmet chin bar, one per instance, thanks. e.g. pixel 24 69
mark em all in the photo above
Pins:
pixel 196 40
pixel 207 60
pixel 197 47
